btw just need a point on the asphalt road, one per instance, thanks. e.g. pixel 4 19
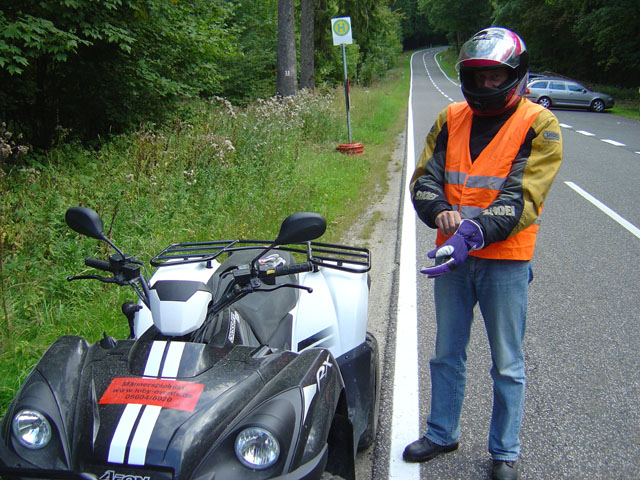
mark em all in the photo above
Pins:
pixel 582 412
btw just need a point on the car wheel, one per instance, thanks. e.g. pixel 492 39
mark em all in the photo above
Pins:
pixel 369 435
pixel 597 105
pixel 545 102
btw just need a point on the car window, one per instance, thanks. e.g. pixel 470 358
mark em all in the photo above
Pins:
pixel 538 85
pixel 557 86
pixel 574 87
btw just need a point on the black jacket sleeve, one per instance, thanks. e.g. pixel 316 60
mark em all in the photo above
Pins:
pixel 427 182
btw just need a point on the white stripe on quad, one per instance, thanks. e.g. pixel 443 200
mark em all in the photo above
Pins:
pixel 121 436
pixel 172 362
pixel 308 392
pixel 140 442
pixel 154 361
pixel 150 413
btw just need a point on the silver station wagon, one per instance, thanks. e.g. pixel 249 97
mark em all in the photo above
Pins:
pixel 560 92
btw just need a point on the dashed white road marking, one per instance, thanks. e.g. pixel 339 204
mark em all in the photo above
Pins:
pixel 614 142
pixel 434 83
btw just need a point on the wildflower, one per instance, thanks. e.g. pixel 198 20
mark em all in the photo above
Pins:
pixel 229 146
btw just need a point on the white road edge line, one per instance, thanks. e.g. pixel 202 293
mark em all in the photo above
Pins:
pixel 625 223
pixel 588 134
pixel 405 417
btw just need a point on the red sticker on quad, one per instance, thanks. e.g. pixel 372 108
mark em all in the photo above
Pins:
pixel 174 394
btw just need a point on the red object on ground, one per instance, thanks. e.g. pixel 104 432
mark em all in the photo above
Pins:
pixel 351 148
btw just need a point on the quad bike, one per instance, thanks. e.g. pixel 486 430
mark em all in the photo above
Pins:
pixel 242 363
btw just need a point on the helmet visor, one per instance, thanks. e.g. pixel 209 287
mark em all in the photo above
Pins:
pixel 491 47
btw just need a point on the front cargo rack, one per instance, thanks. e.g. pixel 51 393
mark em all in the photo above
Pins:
pixel 329 255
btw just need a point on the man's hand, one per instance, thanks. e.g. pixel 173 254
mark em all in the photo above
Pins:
pixel 448 221
pixel 467 238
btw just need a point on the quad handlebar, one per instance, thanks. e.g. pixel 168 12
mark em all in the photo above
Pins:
pixel 296 234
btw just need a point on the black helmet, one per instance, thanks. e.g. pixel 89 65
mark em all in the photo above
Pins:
pixel 489 49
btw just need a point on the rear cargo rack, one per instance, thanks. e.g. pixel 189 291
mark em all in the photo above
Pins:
pixel 340 257
pixel 329 255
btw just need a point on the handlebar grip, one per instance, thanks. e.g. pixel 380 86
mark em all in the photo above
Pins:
pixel 99 264
pixel 293 269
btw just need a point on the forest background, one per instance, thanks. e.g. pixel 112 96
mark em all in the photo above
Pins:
pixel 162 115
pixel 94 67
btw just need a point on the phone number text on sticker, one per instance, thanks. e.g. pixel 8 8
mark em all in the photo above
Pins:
pixel 151 391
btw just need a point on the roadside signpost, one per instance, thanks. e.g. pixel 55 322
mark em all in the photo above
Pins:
pixel 341 30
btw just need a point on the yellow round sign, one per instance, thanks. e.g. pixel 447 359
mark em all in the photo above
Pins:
pixel 341 27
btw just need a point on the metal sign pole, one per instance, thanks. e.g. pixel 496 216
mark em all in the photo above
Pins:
pixel 346 89
pixel 341 28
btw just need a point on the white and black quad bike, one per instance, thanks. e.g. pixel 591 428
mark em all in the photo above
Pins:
pixel 246 360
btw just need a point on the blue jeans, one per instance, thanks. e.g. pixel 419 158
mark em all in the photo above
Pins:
pixel 500 287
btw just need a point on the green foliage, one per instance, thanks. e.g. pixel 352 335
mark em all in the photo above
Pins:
pixel 459 19
pixel 384 46
pixel 597 41
pixel 54 31
pixel 95 66
pixel 87 68
pixel 252 60
pixel 377 40
pixel 415 28
pixel 613 29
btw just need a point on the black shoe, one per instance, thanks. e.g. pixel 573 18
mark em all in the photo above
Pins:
pixel 504 470
pixel 424 450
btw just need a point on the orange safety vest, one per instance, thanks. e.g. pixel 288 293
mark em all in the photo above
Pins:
pixel 471 187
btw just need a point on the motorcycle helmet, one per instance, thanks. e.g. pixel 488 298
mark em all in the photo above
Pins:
pixel 493 48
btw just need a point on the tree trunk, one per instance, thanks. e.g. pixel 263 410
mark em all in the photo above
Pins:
pixel 286 83
pixel 307 20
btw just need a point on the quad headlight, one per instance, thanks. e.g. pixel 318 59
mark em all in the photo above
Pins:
pixel 32 429
pixel 257 448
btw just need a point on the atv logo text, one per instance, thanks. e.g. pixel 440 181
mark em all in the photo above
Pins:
pixel 111 475
pixel 323 371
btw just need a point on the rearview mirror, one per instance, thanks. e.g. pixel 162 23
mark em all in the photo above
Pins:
pixel 301 227
pixel 85 221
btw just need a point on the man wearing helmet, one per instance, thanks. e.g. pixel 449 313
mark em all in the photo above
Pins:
pixel 487 166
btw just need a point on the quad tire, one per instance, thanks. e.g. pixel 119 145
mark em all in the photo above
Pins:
pixel 369 435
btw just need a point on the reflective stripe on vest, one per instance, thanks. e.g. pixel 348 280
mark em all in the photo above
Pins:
pixel 471 187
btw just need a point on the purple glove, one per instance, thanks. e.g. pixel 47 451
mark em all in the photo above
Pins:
pixel 467 238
